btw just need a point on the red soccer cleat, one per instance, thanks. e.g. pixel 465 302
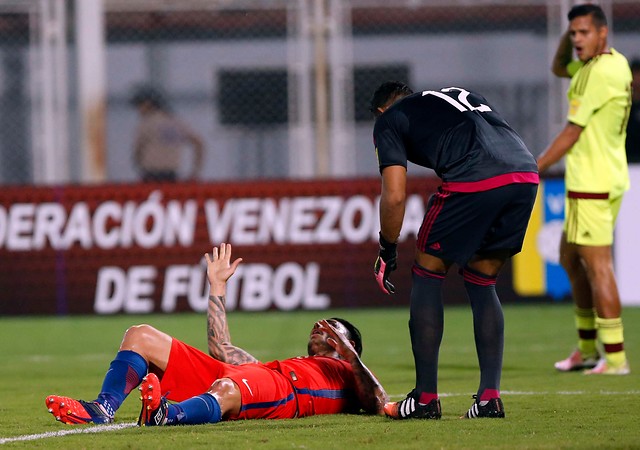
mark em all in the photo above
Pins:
pixel 76 412
pixel 154 406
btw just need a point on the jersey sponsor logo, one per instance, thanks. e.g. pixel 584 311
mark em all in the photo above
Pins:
pixel 435 246
pixel 246 383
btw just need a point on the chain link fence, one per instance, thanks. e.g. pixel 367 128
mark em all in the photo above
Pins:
pixel 270 89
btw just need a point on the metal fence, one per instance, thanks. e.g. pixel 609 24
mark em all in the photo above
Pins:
pixel 274 89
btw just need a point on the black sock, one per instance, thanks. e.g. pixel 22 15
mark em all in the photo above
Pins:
pixel 488 326
pixel 426 325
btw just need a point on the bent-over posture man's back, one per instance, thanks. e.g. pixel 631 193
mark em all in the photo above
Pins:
pixel 477 219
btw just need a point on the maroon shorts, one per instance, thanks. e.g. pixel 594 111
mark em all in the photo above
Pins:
pixel 265 393
pixel 458 225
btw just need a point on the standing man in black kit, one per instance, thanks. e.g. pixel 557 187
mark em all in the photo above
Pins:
pixel 477 219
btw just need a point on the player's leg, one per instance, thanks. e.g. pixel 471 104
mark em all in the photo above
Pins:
pixel 591 222
pixel 426 325
pixel 248 391
pixel 426 313
pixel 480 276
pixel 503 235
pixel 426 322
pixel 599 267
pixel 141 347
pixel 598 264
pixel 222 399
pixel 586 355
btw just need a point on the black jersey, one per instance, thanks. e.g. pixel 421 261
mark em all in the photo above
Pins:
pixel 459 135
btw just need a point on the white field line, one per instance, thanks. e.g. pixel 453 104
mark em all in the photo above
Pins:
pixel 76 430
pixel 101 428
pixel 459 394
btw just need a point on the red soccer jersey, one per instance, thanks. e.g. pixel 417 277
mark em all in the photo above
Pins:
pixel 295 387
pixel 323 385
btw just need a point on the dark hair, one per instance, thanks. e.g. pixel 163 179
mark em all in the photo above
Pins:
pixel 354 334
pixel 587 9
pixel 148 93
pixel 386 93
pixel 635 64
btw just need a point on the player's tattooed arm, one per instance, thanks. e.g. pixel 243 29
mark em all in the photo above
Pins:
pixel 218 336
pixel 219 270
pixel 369 390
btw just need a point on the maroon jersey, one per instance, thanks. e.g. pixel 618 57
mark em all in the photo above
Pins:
pixel 459 135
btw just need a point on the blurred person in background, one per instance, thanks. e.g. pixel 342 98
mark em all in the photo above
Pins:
pixel 477 220
pixel 633 127
pixel 229 383
pixel 596 177
pixel 161 138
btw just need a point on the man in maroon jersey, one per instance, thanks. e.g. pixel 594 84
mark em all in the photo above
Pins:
pixel 477 219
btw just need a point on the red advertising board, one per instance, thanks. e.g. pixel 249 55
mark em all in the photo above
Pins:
pixel 139 248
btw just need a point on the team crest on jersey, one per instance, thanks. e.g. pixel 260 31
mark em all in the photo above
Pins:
pixel 574 106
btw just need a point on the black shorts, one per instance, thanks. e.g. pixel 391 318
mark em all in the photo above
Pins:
pixel 458 225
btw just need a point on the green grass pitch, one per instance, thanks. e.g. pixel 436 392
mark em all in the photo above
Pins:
pixel 545 409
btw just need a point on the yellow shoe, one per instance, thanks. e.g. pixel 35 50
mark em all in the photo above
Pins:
pixel 602 368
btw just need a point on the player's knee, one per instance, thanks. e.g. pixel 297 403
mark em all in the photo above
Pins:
pixel 138 334
pixel 227 393
pixel 600 273
pixel 430 262
pixel 224 386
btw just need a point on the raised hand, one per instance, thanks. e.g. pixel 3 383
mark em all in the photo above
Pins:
pixel 338 340
pixel 219 265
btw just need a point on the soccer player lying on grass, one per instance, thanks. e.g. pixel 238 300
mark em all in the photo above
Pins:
pixel 230 384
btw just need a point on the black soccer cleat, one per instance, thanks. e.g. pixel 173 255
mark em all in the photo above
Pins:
pixel 492 409
pixel 409 408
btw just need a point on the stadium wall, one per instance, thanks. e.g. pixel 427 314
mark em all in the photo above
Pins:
pixel 138 248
